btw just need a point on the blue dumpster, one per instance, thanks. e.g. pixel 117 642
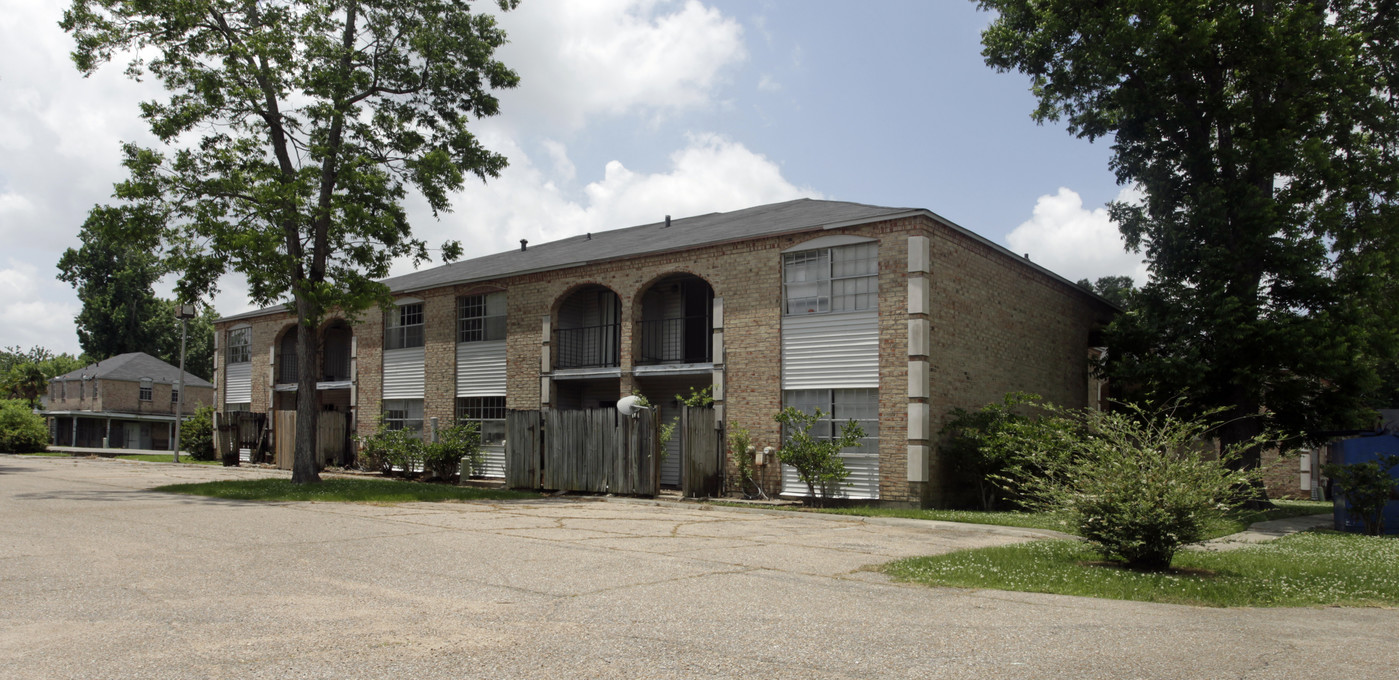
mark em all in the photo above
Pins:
pixel 1363 450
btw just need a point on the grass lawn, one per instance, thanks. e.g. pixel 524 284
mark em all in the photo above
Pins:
pixel 1304 569
pixel 164 458
pixel 1232 524
pixel 340 490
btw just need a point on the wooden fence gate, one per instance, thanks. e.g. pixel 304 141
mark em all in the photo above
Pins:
pixel 702 440
pixel 594 450
pixel 239 430
pixel 332 438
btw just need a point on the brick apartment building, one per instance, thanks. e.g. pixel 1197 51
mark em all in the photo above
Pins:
pixel 125 402
pixel 890 316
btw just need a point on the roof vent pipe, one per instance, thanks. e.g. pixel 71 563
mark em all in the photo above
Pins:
pixel 523 242
pixel 667 222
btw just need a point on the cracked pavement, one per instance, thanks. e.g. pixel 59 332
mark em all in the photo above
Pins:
pixel 100 577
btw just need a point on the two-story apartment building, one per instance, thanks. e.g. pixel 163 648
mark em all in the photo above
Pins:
pixel 125 402
pixel 889 316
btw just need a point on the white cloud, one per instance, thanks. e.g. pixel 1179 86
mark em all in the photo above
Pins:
pixel 36 310
pixel 577 60
pixel 766 83
pixel 1075 242
pixel 710 174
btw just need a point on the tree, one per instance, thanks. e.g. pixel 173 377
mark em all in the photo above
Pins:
pixel 1367 488
pixel 114 272
pixel 294 131
pixel 1265 136
pixel 1115 289
pixel 26 374
pixel 816 459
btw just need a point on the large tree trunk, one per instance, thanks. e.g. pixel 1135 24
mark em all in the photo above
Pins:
pixel 304 469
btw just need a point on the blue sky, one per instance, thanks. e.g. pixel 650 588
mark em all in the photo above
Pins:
pixel 629 110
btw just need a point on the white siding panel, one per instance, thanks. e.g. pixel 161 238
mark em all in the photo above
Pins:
pixel 830 350
pixel 863 482
pixel 494 462
pixel 403 373
pixel 481 368
pixel 238 383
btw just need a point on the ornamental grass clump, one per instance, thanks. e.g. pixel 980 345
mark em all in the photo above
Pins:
pixel 1139 485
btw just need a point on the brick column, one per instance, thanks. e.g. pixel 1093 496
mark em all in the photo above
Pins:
pixel 439 361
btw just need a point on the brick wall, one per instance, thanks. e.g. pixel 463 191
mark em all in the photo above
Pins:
pixel 124 396
pixel 997 326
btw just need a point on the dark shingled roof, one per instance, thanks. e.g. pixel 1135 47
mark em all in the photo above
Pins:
pixel 134 366
pixel 799 215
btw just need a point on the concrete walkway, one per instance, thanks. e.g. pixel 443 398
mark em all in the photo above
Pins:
pixel 1262 532
pixel 102 578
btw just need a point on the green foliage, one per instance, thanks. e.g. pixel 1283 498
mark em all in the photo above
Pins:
pixel 293 135
pixel 25 374
pixel 1265 137
pixel 390 448
pixel 739 442
pixel 1138 485
pixel 701 397
pixel 114 272
pixel 21 430
pixel 984 458
pixel 1368 487
pixel 197 434
pixel 816 460
pixel 1116 289
pixel 455 445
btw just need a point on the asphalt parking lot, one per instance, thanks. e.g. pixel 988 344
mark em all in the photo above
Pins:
pixel 101 578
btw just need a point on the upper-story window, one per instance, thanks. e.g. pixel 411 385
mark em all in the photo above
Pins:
pixel 481 317
pixel 837 279
pixel 174 395
pixel 146 389
pixel 240 345
pixel 404 326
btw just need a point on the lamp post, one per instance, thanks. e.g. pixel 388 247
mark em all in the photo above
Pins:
pixel 184 313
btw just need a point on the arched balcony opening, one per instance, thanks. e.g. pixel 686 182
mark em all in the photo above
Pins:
pixel 335 351
pixel 677 322
pixel 589 329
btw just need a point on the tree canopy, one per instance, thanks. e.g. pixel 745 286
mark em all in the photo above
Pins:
pixel 1265 136
pixel 293 134
pixel 25 374
pixel 115 271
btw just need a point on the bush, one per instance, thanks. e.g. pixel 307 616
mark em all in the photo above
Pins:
pixel 197 434
pixel 1139 485
pixel 21 430
pixel 1368 488
pixel 739 442
pixel 817 461
pixel 985 459
pixel 387 449
pixel 455 445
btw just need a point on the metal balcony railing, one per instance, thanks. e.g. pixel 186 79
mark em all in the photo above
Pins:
pixel 677 340
pixel 589 346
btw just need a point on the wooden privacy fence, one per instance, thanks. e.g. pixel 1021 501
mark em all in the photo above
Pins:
pixel 242 430
pixel 332 438
pixel 703 443
pixel 594 450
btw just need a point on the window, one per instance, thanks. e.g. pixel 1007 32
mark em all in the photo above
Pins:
pixel 145 393
pixel 240 345
pixel 242 407
pixel 489 415
pixel 174 395
pixel 840 279
pixel 481 317
pixel 404 327
pixel 63 389
pixel 404 414
pixel 82 390
pixel 839 407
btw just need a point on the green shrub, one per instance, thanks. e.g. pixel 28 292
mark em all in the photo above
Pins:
pixel 1368 488
pixel 197 434
pixel 455 445
pixel 817 461
pixel 739 441
pixel 983 458
pixel 388 448
pixel 1139 485
pixel 21 430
